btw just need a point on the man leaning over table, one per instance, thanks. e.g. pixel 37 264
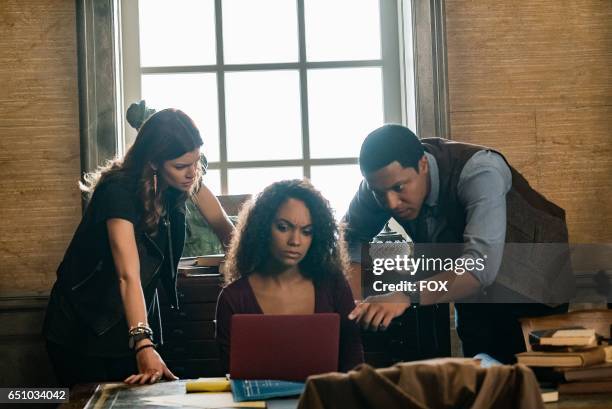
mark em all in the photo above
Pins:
pixel 442 191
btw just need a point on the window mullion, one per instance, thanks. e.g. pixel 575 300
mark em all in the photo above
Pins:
pixel 130 60
pixel 283 163
pixel 221 97
pixel 303 87
pixel 261 66
pixel 389 26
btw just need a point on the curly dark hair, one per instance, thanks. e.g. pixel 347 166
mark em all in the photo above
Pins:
pixel 250 246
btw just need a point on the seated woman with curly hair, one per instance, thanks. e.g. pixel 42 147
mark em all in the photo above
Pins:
pixel 288 257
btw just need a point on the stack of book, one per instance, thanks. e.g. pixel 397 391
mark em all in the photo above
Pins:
pixel 574 354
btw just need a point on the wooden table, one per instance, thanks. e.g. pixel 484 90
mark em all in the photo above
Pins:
pixel 133 397
pixel 122 396
pixel 79 396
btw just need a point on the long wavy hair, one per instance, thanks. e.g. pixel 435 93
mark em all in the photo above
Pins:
pixel 166 135
pixel 250 246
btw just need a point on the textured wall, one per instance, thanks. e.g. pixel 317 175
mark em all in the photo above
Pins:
pixel 533 79
pixel 39 141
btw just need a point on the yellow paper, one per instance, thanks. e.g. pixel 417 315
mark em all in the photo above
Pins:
pixel 208 385
pixel 208 400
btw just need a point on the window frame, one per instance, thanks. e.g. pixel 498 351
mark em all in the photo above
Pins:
pixel 416 61
pixel 99 83
pixel 389 63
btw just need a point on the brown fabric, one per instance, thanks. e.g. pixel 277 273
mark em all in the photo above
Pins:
pixel 423 386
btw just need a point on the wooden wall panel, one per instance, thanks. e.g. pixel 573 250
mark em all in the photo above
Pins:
pixel 576 166
pixel 39 144
pixel 507 54
pixel 512 134
pixel 533 79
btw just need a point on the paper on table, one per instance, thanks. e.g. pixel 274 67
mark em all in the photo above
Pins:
pixel 208 385
pixel 209 400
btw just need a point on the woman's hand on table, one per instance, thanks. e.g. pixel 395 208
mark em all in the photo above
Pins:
pixel 151 368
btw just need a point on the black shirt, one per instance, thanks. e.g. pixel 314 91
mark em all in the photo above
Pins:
pixel 63 324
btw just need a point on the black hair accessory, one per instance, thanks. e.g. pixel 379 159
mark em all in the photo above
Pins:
pixel 138 113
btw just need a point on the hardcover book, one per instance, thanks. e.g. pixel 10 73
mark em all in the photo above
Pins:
pixel 570 336
pixel 563 359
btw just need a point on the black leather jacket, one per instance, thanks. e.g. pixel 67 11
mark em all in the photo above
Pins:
pixel 87 275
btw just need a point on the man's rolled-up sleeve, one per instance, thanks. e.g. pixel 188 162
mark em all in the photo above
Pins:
pixel 483 184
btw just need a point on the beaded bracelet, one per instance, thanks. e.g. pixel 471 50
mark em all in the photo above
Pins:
pixel 140 328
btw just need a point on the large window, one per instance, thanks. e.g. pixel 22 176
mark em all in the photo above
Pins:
pixel 279 88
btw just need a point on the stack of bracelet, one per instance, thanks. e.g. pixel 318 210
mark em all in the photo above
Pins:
pixel 138 333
